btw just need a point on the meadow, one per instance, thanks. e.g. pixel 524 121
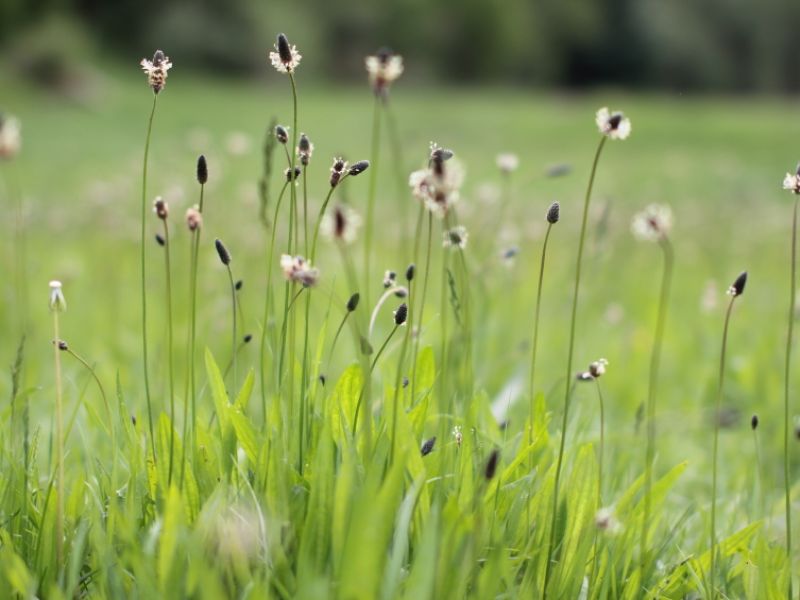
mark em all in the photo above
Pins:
pixel 258 509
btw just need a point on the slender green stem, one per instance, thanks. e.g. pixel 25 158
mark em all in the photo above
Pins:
pixel 170 359
pixel 373 186
pixel 144 282
pixel 189 382
pixel 267 304
pixel 568 378
pixel 93 373
pixel 234 338
pixel 652 388
pixel 421 307
pixel 59 446
pixel 369 376
pixel 535 342
pixel 397 159
pixel 787 425
pixel 717 407
pixel 601 454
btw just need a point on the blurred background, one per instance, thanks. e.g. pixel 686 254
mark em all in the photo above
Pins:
pixel 678 45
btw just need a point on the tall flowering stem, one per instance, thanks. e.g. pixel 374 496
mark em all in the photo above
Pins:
pixel 57 304
pixel 655 362
pixel 568 378
pixel 787 424
pixel 144 273
pixel 735 291
pixel 371 191
pixel 552 218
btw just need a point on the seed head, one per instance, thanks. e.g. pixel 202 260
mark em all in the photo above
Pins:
pixel 338 170
pixel 222 251
pixel 57 301
pixel 792 181
pixel 239 284
pixel 156 70
pixel 553 213
pixel 341 224
pixel 737 288
pixel 410 272
pixel 194 218
pixel 161 208
pixel 359 168
pixel 160 240
pixel 491 464
pixel 507 163
pixel 401 314
pixel 62 345
pixel 288 173
pixel 352 303
pixel 304 149
pixel 281 134
pixel 653 224
pixel 614 125
pixel 299 270
pixel 383 69
pixel 427 447
pixel 754 422
pixel 455 238
pixel 247 338
pixel 457 435
pixel 202 170
pixel 389 278
pixel 285 58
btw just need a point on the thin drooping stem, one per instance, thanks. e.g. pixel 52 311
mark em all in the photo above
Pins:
pixel 535 342
pixel 371 191
pixel 717 407
pixel 652 387
pixel 144 273
pixel 59 446
pixel 568 378
pixel 92 372
pixel 170 359
pixel 787 424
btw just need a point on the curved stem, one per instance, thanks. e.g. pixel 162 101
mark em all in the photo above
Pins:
pixel 568 379
pixel 718 406
pixel 652 387
pixel 787 426
pixel 369 375
pixel 144 284
pixel 536 326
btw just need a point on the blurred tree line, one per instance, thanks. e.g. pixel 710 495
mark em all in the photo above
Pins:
pixel 731 45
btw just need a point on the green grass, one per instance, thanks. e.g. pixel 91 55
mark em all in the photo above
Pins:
pixel 357 525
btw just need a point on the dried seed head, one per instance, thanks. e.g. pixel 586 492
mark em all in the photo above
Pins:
pixel 322 379
pixel 299 270
pixel 156 70
pixel 507 162
pixel 410 272
pixel 553 213
pixel 239 284
pixel 161 208
pixel 62 345
pixel 202 170
pixel 737 288
pixel 405 381
pixel 754 422
pixel 337 170
pixel 455 238
pixel 222 251
pixel 359 168
pixel 341 224
pixel 389 278
pixel 457 435
pixel 427 447
pixel 614 125
pixel 194 218
pixel 281 134
pixel 401 314
pixel 160 240
pixel 491 464
pixel 304 149
pixel 248 338
pixel 286 57
pixel 352 303
pixel 792 181
pixel 383 68
pixel 284 50
pixel 288 173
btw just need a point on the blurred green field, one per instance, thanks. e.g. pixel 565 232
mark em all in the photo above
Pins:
pixel 717 161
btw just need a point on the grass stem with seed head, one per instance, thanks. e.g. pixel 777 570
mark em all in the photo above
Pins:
pixel 652 387
pixel 144 278
pixel 565 418
pixel 736 290
pixel 59 445
pixel 225 258
pixel 787 424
